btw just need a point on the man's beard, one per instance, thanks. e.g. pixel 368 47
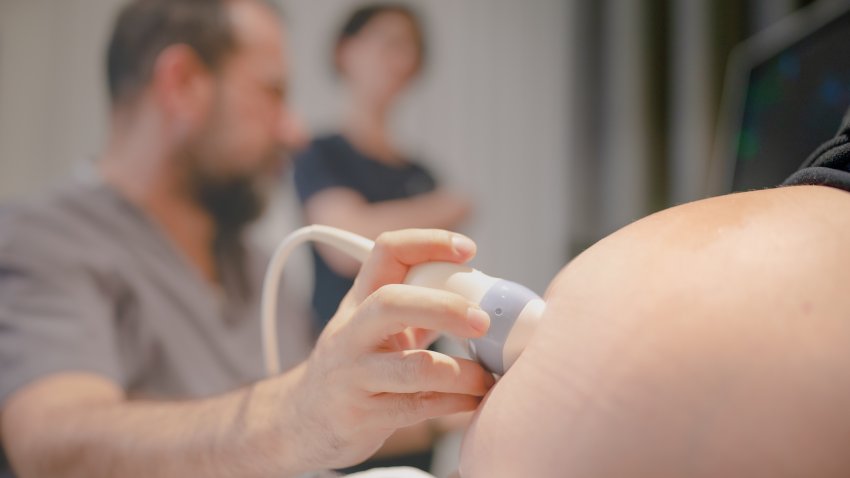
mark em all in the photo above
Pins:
pixel 233 202
pixel 233 199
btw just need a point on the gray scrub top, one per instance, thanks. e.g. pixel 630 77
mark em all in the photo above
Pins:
pixel 89 284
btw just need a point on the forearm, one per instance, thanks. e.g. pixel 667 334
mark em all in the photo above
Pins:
pixel 365 378
pixel 237 434
pixel 432 210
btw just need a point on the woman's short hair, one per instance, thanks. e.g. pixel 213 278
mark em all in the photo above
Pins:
pixel 361 16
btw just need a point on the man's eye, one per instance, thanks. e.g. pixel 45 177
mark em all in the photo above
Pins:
pixel 277 91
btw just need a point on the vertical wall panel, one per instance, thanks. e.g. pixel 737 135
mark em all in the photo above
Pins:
pixel 624 142
pixel 692 93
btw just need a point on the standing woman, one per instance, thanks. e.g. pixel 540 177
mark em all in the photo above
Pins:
pixel 358 179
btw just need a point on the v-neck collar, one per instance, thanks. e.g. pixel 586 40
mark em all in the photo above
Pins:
pixel 147 227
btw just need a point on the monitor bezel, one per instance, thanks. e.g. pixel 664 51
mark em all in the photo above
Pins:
pixel 743 60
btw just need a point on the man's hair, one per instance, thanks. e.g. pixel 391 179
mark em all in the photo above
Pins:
pixel 144 28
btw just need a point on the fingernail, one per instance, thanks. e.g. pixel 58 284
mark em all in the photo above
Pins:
pixel 478 319
pixel 463 245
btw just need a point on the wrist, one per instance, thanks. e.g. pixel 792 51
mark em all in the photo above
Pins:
pixel 266 427
pixel 288 427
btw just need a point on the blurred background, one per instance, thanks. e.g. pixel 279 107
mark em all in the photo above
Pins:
pixel 562 119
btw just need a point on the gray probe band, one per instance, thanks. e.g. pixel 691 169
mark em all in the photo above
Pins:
pixel 503 303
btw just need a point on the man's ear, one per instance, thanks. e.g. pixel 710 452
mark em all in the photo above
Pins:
pixel 183 85
pixel 341 57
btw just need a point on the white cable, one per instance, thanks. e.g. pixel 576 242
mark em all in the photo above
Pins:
pixel 355 246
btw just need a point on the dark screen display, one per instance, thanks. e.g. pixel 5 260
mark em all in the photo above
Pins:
pixel 794 102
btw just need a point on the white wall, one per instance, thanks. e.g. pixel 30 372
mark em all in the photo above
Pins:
pixel 489 116
pixel 52 95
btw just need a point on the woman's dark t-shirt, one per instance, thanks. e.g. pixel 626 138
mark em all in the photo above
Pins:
pixel 331 162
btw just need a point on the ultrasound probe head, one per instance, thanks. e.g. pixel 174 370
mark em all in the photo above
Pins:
pixel 514 310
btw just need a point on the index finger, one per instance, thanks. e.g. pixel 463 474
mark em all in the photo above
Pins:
pixel 396 252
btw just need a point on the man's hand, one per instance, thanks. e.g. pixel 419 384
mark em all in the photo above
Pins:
pixel 369 374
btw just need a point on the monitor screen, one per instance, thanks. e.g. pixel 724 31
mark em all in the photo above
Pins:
pixel 794 101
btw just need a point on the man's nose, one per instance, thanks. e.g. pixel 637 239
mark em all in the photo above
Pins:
pixel 292 131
